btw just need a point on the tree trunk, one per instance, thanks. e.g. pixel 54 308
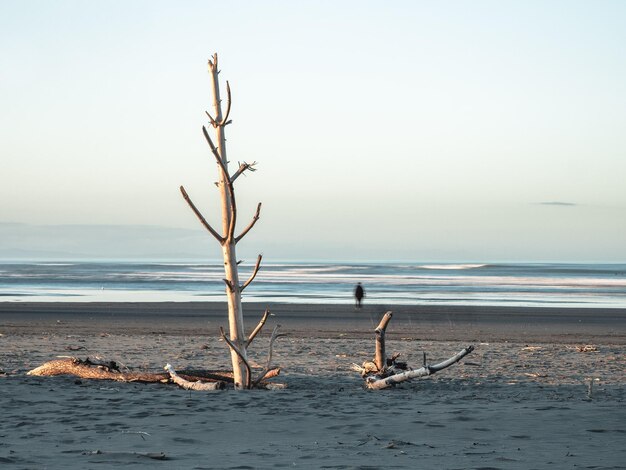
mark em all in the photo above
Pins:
pixel 236 338
pixel 233 289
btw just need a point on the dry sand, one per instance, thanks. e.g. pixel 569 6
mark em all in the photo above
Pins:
pixel 519 401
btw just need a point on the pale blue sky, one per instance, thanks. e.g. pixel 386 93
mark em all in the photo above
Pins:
pixel 384 130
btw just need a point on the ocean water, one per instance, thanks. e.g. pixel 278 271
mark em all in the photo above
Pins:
pixel 544 285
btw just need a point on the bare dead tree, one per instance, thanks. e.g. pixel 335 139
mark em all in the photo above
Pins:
pixel 228 239
pixel 384 372
pixel 241 376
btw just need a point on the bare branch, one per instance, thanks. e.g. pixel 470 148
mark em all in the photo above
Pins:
pixel 275 372
pixel 229 285
pixel 211 120
pixel 243 167
pixel 233 213
pixel 200 216
pixel 241 356
pixel 213 64
pixel 216 153
pixel 225 119
pixel 249 227
pixel 254 273
pixel 259 327
pixel 275 335
pixel 229 184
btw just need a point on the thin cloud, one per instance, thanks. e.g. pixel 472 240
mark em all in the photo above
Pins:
pixel 557 203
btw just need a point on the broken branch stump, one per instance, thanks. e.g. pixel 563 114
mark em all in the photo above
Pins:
pixel 386 372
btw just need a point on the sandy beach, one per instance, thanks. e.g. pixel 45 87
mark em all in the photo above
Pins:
pixel 523 399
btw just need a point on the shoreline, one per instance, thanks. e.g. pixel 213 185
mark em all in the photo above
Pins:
pixel 434 323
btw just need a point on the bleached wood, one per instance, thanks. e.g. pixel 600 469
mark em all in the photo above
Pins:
pixel 268 365
pixel 87 370
pixel 378 384
pixel 203 221
pixel 233 347
pixel 380 359
pixel 211 120
pixel 270 374
pixel 249 227
pixel 259 327
pixel 229 227
pixel 228 104
pixel 187 385
pixel 241 370
pixel 242 168
pixel 257 266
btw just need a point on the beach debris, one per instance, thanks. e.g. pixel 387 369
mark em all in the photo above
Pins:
pixel 187 379
pixel 535 375
pixel 385 372
pixel 587 348
pixel 87 369
pixel 189 385
pixel 139 433
pixel 148 455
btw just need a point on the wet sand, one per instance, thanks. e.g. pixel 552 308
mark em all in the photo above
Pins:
pixel 451 323
pixel 522 399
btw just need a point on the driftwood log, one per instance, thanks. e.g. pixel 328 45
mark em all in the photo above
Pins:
pixel 187 379
pixel 385 372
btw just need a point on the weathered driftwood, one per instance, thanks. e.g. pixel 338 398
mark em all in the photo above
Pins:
pixel 380 359
pixel 187 379
pixel 259 327
pixel 189 385
pixel 269 372
pixel 377 384
pixel 386 372
pixel 86 369
pixel 236 340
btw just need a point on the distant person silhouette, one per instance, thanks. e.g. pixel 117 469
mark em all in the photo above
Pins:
pixel 359 293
